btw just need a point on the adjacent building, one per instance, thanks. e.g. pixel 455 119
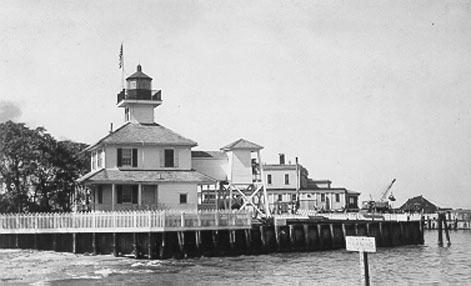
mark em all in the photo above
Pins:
pixel 289 187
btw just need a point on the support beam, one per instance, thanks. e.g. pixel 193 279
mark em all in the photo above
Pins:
pixel 139 195
pixel 113 196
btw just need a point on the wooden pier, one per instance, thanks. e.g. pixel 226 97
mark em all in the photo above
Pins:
pixel 166 234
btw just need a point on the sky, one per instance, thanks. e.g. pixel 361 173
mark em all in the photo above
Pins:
pixel 360 91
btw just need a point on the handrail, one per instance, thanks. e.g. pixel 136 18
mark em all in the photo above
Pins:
pixel 123 221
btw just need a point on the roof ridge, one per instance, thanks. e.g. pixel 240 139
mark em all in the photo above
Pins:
pixel 107 135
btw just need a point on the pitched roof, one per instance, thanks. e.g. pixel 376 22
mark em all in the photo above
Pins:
pixel 149 134
pixel 419 203
pixel 208 154
pixel 138 74
pixel 145 176
pixel 242 144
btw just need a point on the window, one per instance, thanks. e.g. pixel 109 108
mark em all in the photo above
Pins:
pixel 93 160
pixel 99 160
pixel 286 179
pixel 269 179
pixel 322 197
pixel 127 157
pixel 280 198
pixel 126 114
pixel 337 198
pixel 183 198
pixel 169 158
pixel 293 197
pixel 127 194
pixel 99 195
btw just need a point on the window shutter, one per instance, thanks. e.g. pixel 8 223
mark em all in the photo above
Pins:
pixel 175 158
pixel 162 158
pixel 120 155
pixel 134 157
pixel 120 194
pixel 135 189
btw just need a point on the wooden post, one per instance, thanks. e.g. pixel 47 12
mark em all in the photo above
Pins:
pixel 135 244
pixel 215 237
pixel 332 235
pixel 74 242
pixel 447 234
pixel 319 235
pixel 198 240
pixel 181 242
pixel 162 253
pixel 248 239
pixel 277 237
pixel 150 246
pixel 344 230
pixel 115 245
pixel 94 244
pixel 232 239
pixel 306 236
pixel 262 238
pixel 292 238
pixel 35 242
pixel 440 234
pixel 365 273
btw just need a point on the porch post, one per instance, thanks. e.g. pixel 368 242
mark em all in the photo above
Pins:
pixel 139 195
pixel 113 196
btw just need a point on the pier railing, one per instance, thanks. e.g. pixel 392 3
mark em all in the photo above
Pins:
pixel 125 221
pixel 303 214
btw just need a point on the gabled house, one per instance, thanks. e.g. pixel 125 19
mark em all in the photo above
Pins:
pixel 289 187
pixel 142 164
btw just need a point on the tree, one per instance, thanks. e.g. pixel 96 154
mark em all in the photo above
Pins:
pixel 18 157
pixel 39 172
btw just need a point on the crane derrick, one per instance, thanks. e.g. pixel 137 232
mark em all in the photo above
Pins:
pixel 382 204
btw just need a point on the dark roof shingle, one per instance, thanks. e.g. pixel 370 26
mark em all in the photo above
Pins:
pixel 148 134
pixel 145 176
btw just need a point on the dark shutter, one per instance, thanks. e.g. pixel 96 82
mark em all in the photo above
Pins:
pixel 120 155
pixel 120 194
pixel 135 189
pixel 134 157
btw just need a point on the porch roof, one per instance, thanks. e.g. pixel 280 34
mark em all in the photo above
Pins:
pixel 109 176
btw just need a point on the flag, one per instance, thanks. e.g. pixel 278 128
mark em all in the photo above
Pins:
pixel 121 57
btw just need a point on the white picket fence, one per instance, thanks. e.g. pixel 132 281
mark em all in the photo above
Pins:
pixel 304 214
pixel 124 221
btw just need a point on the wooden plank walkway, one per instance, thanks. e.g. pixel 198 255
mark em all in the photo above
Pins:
pixel 123 222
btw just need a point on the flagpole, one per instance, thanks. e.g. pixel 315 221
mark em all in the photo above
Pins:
pixel 121 65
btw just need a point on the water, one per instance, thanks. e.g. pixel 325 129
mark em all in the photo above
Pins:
pixel 427 264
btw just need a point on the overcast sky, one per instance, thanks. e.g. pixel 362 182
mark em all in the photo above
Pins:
pixel 361 91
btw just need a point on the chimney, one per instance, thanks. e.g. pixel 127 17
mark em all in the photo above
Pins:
pixel 111 127
pixel 282 159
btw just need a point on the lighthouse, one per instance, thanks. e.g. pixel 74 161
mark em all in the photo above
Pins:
pixel 138 99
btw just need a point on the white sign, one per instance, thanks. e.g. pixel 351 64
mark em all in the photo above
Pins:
pixel 360 243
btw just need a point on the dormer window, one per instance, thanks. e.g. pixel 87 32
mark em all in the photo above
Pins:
pixel 127 157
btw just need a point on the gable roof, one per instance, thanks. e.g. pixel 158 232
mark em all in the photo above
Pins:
pixel 148 134
pixel 419 204
pixel 242 144
pixel 145 176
